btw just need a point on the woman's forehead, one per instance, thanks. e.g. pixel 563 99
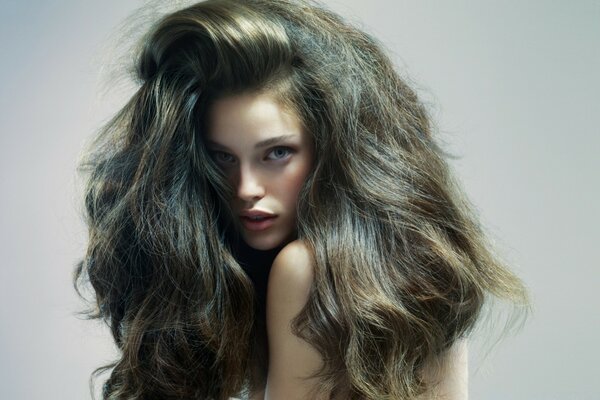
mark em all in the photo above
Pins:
pixel 255 117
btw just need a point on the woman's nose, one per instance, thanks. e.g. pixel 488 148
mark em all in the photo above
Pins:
pixel 250 186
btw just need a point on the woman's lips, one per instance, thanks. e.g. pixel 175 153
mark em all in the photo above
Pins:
pixel 257 225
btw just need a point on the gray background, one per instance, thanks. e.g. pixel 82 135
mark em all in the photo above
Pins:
pixel 513 87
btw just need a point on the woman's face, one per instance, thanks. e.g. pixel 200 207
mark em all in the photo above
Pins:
pixel 266 155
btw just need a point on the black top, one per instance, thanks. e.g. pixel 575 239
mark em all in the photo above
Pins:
pixel 257 265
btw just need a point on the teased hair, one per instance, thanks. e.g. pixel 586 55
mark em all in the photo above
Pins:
pixel 402 267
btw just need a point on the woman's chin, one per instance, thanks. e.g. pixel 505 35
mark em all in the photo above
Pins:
pixel 262 244
pixel 267 242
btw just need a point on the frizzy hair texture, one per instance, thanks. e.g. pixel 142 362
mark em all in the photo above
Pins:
pixel 402 267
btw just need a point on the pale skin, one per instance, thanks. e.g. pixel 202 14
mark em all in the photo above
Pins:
pixel 266 154
pixel 290 281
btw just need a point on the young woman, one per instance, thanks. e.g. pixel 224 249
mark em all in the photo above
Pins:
pixel 271 217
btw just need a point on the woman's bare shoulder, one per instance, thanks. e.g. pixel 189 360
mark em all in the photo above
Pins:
pixel 290 281
pixel 293 266
pixel 295 258
pixel 291 359
pixel 448 378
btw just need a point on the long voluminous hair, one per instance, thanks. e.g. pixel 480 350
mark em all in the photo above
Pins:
pixel 402 266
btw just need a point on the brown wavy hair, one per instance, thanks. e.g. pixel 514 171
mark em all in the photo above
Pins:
pixel 402 266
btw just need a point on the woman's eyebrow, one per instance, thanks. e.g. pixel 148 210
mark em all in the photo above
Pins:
pixel 262 143
pixel 273 140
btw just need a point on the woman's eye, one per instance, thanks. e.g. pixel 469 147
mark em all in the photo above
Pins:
pixel 279 153
pixel 222 158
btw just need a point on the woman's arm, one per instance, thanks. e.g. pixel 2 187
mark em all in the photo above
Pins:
pixel 290 358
